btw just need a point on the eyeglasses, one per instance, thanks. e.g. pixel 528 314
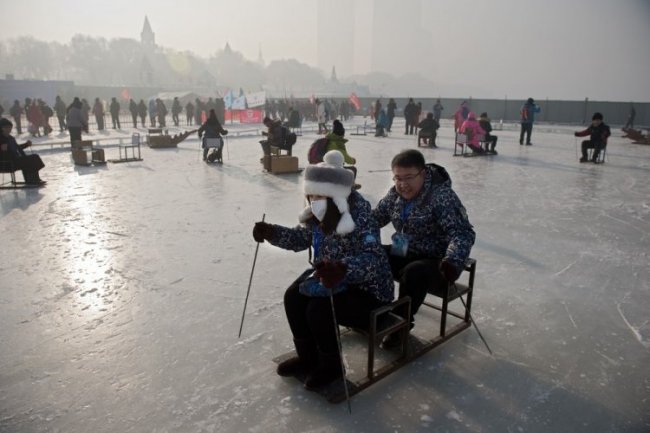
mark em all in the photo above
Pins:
pixel 406 179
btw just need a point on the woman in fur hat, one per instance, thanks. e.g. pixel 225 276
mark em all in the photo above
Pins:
pixel 349 264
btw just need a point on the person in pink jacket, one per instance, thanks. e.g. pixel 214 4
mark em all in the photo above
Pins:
pixel 473 130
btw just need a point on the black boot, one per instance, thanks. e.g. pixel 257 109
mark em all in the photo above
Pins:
pixel 328 370
pixel 305 362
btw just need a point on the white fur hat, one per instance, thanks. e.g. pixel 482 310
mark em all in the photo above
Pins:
pixel 330 179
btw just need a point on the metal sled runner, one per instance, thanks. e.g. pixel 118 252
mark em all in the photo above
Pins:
pixel 389 319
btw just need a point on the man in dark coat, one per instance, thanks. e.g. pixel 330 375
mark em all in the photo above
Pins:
pixel 16 112
pixel 598 132
pixel 115 113
pixel 12 152
pixel 410 113
pixel 433 236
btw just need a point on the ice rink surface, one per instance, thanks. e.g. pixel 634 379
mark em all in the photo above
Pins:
pixel 122 288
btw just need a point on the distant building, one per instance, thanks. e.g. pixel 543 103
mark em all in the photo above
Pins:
pixel 147 36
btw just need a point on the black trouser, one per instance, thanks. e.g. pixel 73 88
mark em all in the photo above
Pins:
pixel 311 317
pixel 416 276
pixel 152 120
pixel 116 121
pixel 75 133
pixel 175 119
pixel 390 123
pixel 100 122
pixel 134 117
pixel 379 131
pixel 588 144
pixel 30 165
pixel 526 128
pixel 19 128
pixel 143 117
pixel 61 119
pixel 492 139
pixel 161 121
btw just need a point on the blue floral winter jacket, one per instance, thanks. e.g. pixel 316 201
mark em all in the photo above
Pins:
pixel 361 251
pixel 437 226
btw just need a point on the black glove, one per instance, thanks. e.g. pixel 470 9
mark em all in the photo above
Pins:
pixel 263 231
pixel 449 271
pixel 330 273
pixel 575 134
pixel 225 132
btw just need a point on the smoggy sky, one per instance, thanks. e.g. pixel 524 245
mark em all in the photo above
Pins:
pixel 561 49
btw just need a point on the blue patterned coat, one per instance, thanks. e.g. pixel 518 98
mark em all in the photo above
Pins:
pixel 437 225
pixel 361 251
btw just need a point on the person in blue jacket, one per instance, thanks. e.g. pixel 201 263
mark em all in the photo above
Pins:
pixel 433 236
pixel 349 264
pixel 527 114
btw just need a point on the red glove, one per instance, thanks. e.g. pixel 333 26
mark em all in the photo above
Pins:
pixel 449 271
pixel 330 273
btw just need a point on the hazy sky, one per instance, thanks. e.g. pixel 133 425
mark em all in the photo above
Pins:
pixel 561 49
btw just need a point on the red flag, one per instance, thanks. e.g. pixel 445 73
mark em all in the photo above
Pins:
pixel 354 100
pixel 125 94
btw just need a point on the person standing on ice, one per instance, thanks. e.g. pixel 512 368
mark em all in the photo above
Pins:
pixel 133 109
pixel 410 113
pixel 161 112
pixel 390 112
pixel 60 109
pixel 76 121
pixel 176 110
pixel 349 265
pixel 152 112
pixel 437 110
pixel 114 108
pixel 142 111
pixel 527 114
pixel 598 133
pixel 433 236
pixel 321 114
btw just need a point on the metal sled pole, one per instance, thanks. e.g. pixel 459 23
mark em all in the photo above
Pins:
pixel 228 150
pixel 250 280
pixel 338 341
pixel 474 323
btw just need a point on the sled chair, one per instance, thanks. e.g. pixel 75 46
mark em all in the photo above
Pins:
pixel 453 292
pixel 601 155
pixel 7 166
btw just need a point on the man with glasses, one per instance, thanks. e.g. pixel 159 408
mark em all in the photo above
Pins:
pixel 433 236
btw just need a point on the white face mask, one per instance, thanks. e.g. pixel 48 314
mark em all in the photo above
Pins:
pixel 319 208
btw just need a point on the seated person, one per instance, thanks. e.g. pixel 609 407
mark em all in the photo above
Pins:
pixel 433 236
pixel 276 136
pixel 428 130
pixel 484 122
pixel 598 133
pixel 212 129
pixel 473 131
pixel 350 265
pixel 14 154
pixel 336 141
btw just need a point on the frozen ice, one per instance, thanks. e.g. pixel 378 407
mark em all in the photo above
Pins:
pixel 122 289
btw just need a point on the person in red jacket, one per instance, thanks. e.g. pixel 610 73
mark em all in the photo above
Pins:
pixel 598 132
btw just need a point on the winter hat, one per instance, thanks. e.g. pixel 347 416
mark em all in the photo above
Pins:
pixel 330 179
pixel 597 116
pixel 531 101
pixel 338 129
pixel 471 115
pixel 5 122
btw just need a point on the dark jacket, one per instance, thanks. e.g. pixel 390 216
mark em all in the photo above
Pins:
pixel 361 251
pixel 437 226
pixel 429 125
pixel 485 125
pixel 14 150
pixel 598 134
pixel 211 129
